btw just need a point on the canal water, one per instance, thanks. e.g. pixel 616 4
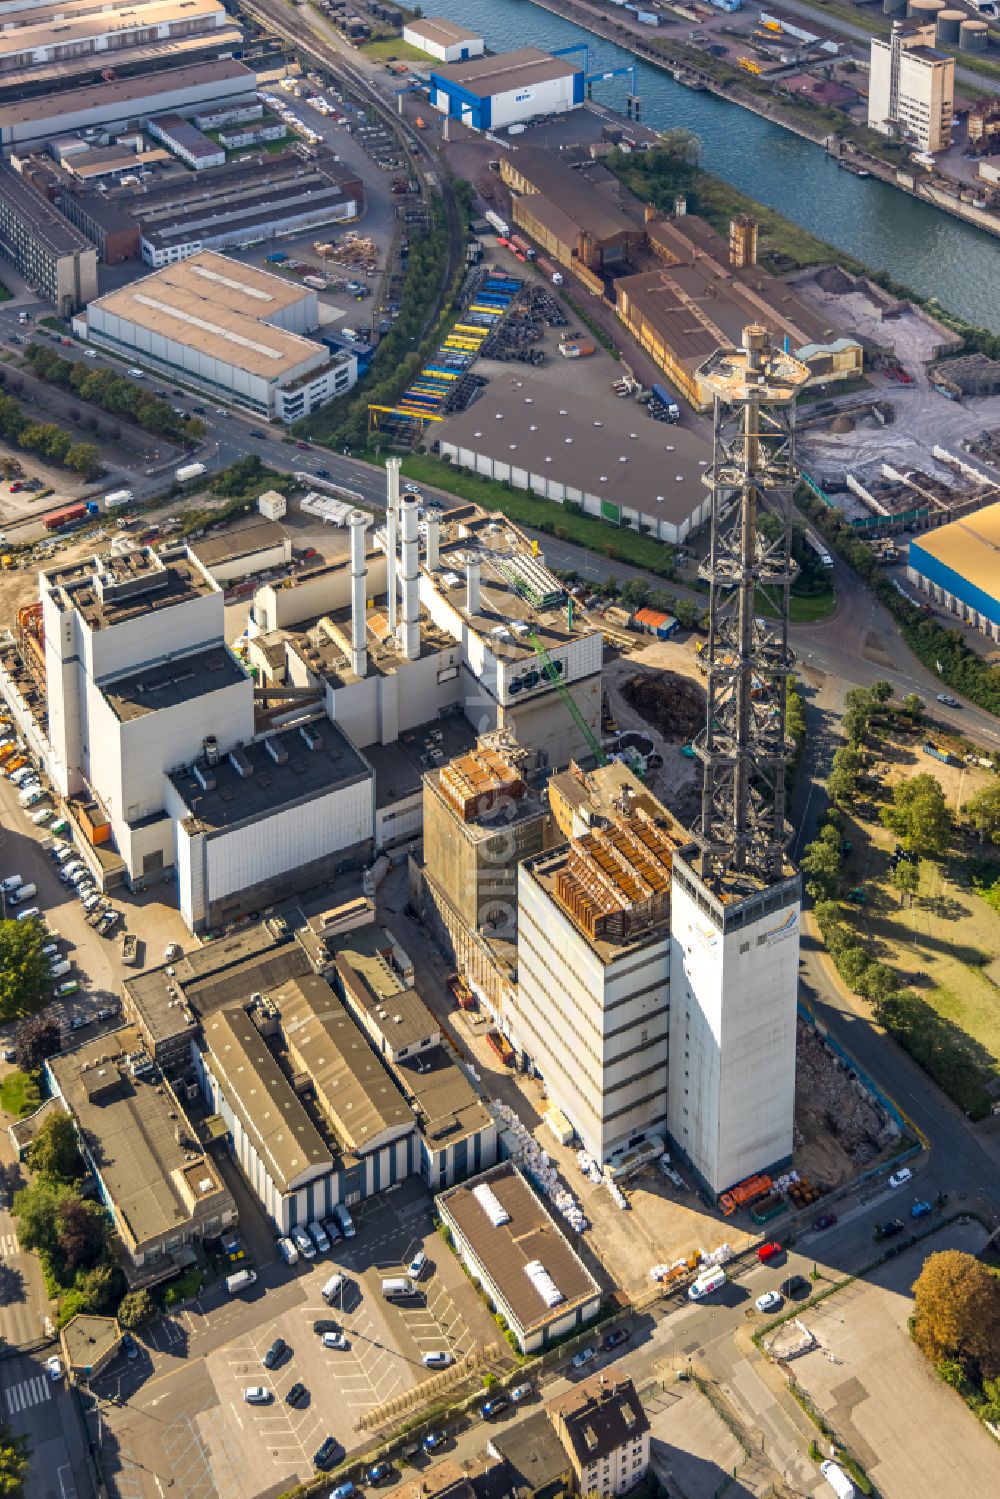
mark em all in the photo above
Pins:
pixel 931 252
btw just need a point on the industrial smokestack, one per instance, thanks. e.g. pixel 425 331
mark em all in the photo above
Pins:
pixel 410 629
pixel 472 585
pixel 391 519
pixel 359 584
pixel 433 541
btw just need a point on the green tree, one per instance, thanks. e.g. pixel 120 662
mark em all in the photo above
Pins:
pixel 877 982
pixel 13 1463
pixel 880 691
pixel 25 984
pixel 36 1207
pixel 54 1152
pixel 983 811
pixel 82 1230
pixel 919 815
pixel 913 706
pixel 36 1038
pixel 857 714
pixel 852 965
pixel 84 459
pixel 906 878
pixel 821 862
pixel 136 1310
pixel 795 717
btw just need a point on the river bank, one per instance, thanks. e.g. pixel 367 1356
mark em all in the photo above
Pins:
pixel 674 62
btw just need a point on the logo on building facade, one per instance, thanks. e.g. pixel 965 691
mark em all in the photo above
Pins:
pixel 788 927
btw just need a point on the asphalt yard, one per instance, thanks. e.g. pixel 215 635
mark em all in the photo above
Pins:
pixel 178 1411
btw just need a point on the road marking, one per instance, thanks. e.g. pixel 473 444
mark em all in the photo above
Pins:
pixel 67 1493
pixel 29 1392
pixel 9 1247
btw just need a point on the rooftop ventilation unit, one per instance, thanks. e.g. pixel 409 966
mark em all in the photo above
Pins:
pixel 543 1283
pixel 491 1204
pixel 311 736
pixel 240 763
pixel 276 750
pixel 204 776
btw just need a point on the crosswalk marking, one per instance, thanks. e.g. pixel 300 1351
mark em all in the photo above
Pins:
pixel 9 1246
pixel 29 1392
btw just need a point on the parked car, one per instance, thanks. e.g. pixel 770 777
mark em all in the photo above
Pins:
pixel 296 1394
pixel 130 1348
pixel 433 1440
pixel 303 1243
pixel 379 1473
pixel 67 990
pixel 326 1454
pixel 336 1340
pixel 770 1301
pixel 439 1359
pixel 892 1228
pixel 332 1230
pixel 53 1367
pixel 345 1490
pixel 493 1406
pixel 584 1357
pixel 325 1324
pixel 275 1354
pixel 920 1209
pixel 901 1177
pixel 415 1268
pixel 825 1220
pixel 795 1287
pixel 768 1252
pixel 521 1392
pixel 616 1337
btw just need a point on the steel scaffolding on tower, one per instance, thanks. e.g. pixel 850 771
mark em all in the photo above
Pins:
pixel 743 747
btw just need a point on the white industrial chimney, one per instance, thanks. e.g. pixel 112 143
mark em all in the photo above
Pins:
pixel 410 628
pixel 391 516
pixel 392 484
pixel 472 585
pixel 433 541
pixel 359 586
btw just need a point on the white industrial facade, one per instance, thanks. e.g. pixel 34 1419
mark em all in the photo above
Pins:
pixel 734 984
pixel 442 39
pixel 231 329
pixel 596 1029
pixel 112 106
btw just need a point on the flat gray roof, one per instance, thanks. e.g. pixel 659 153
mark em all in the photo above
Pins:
pixel 437 29
pixel 169 683
pixel 125 91
pixel 156 1184
pixel 49 227
pixel 485 76
pixel 530 1233
pixel 261 536
pixel 658 471
pixel 281 770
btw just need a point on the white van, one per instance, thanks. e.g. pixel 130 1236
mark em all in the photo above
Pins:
pixel 242 1280
pixel 23 892
pixel 11 883
pixel 838 1480
pixel 707 1282
pixel 332 1289
pixel 303 1243
pixel 31 913
pixel 345 1220
pixel 319 1238
pixel 288 1251
pixel 398 1288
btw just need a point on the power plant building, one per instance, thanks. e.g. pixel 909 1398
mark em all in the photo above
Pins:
pixel 958 567
pixel 491 93
pixel 911 90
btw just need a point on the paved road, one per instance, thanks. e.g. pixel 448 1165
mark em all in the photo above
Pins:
pixel 42 1409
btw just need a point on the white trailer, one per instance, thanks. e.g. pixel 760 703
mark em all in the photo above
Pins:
pixel 117 498
pixel 189 471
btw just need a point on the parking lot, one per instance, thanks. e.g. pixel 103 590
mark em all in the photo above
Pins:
pixel 179 1409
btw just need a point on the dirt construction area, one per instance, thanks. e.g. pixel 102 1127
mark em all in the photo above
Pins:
pixel 667 713
pixel 840 1127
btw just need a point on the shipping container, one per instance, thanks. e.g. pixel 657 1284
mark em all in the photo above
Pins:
pixel 520 243
pixel 496 222
pixel 117 498
pixel 56 519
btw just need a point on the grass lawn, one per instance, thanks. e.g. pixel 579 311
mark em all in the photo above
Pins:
pixel 615 542
pixel 394 49
pixel 19 1094
pixel 950 932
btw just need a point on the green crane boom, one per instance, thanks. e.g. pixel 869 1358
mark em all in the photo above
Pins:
pixel 552 675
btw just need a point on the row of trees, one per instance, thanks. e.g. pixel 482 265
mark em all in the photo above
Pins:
pixel 943 651
pixel 114 393
pixel 47 440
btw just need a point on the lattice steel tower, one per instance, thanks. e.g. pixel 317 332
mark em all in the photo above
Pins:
pixel 743 748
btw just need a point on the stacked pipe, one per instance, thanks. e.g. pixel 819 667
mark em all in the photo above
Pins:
pixel 410 628
pixel 359 582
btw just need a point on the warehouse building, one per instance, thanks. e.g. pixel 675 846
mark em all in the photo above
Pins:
pixel 51 254
pixel 443 39
pixel 110 229
pixel 160 1188
pixel 244 202
pixel 253 1014
pixel 705 294
pixel 227 328
pixel 626 468
pixel 578 214
pixel 512 1247
pixel 88 69
pixel 50 34
pixel 958 566
pixel 592 1006
pixel 911 90
pixel 112 106
pixel 237 554
pixel 490 93
pixel 187 142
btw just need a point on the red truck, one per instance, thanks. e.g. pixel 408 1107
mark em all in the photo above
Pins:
pixel 518 242
pixel 56 519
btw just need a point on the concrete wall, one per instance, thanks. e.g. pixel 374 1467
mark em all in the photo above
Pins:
pixel 732 1036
